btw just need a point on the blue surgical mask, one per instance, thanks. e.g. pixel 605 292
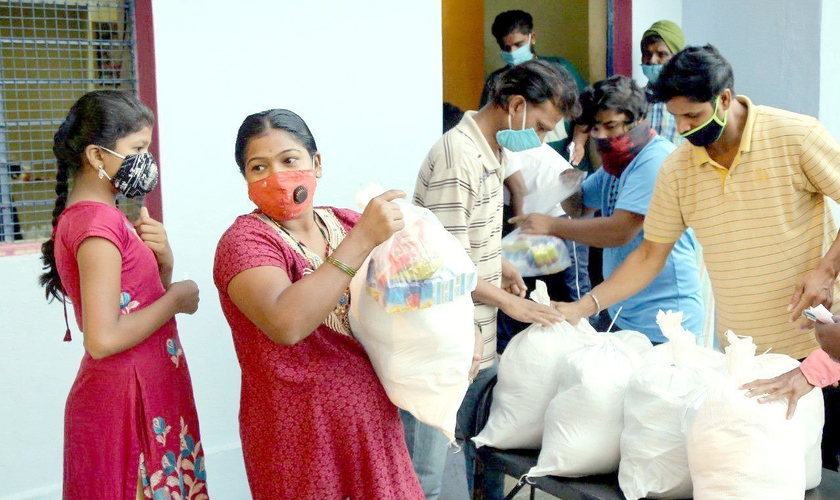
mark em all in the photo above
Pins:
pixel 520 55
pixel 518 140
pixel 652 71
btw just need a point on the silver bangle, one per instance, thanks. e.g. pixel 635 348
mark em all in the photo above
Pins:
pixel 594 299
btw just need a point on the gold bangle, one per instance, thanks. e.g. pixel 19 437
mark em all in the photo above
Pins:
pixel 341 265
pixel 594 299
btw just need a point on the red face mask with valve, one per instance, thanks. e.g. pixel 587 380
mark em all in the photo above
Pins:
pixel 284 195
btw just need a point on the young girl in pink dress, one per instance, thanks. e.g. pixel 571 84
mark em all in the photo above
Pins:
pixel 130 425
pixel 314 419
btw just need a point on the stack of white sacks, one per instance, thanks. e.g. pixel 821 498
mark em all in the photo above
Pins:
pixel 669 418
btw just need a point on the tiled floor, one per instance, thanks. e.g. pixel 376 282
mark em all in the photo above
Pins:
pixel 455 483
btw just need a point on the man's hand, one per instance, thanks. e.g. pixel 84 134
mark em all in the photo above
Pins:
pixel 477 353
pixel 528 311
pixel 572 312
pixel 533 223
pixel 817 287
pixel 791 386
pixel 828 335
pixel 512 281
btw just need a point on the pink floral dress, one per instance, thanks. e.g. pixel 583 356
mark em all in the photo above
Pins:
pixel 314 419
pixel 132 414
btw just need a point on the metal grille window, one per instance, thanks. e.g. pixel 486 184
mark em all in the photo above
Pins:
pixel 52 52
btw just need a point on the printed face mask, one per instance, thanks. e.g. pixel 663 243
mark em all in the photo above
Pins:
pixel 137 175
pixel 518 140
pixel 617 152
pixel 652 71
pixel 709 132
pixel 520 55
pixel 284 195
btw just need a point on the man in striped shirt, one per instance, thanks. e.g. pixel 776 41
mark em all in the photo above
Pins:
pixel 752 182
pixel 461 182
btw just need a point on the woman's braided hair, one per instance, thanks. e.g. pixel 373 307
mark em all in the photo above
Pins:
pixel 101 117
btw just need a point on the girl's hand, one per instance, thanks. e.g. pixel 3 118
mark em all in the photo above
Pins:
pixel 154 236
pixel 381 218
pixel 186 296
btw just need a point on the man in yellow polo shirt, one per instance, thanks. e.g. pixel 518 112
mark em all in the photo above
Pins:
pixel 752 182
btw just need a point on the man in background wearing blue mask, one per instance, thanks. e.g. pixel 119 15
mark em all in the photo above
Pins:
pixel 659 44
pixel 514 32
pixel 460 181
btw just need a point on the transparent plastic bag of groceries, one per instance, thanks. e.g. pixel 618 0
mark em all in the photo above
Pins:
pixel 417 325
pixel 535 255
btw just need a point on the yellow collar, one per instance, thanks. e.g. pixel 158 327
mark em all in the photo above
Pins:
pixel 701 155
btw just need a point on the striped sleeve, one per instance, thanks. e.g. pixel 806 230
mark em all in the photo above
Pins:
pixel 664 222
pixel 450 192
pixel 820 160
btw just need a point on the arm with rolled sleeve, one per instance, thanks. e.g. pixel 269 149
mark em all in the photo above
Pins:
pixel 820 370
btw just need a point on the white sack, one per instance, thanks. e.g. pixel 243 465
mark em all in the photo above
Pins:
pixel 583 422
pixel 654 462
pixel 529 372
pixel 738 448
pixel 422 356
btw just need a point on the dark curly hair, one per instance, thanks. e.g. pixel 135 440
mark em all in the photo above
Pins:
pixel 618 93
pixel 537 81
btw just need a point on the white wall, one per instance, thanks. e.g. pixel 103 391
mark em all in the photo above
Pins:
pixel 365 75
pixel 830 67
pixel 773 46
pixel 645 13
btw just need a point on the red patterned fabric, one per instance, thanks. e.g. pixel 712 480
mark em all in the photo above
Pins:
pixel 314 419
pixel 133 411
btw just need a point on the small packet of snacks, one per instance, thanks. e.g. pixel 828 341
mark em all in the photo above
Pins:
pixel 420 266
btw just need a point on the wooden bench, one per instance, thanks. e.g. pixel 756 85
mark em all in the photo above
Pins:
pixel 517 463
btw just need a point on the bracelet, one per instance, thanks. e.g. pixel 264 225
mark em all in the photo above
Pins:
pixel 594 299
pixel 341 265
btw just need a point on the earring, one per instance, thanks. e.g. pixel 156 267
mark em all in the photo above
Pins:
pixel 102 173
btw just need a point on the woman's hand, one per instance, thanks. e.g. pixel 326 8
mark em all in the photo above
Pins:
pixel 154 236
pixel 186 296
pixel 381 218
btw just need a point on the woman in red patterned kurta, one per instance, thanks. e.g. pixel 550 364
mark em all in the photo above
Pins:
pixel 131 429
pixel 315 422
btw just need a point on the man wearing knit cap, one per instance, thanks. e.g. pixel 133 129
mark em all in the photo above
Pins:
pixel 659 44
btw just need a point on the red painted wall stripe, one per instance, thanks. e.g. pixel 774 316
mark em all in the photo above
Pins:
pixel 147 88
pixel 623 37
